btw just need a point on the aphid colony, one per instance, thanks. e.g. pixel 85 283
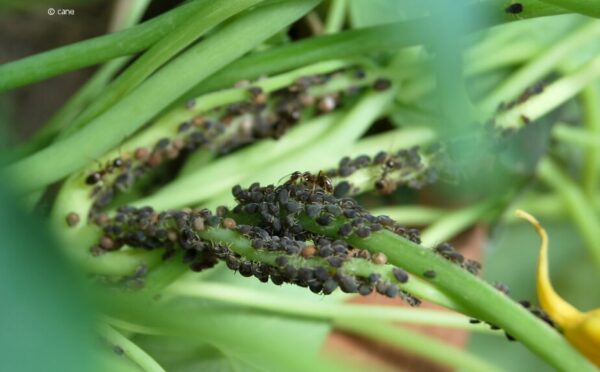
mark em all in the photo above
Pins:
pixel 403 168
pixel 262 115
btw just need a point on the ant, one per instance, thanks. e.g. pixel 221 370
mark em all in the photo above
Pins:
pixel 95 177
pixel 308 178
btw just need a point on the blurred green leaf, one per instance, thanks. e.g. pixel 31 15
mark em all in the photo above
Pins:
pixel 46 325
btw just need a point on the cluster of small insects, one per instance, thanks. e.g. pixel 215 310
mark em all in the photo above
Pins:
pixel 402 168
pixel 531 91
pixel 261 115
pixel 288 252
pixel 448 252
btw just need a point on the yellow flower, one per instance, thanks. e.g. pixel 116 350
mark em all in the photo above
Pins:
pixel 582 330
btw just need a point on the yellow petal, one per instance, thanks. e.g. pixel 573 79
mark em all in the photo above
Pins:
pixel 582 330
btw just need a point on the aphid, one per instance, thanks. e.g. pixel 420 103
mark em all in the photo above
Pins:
pixel 400 275
pixel 379 258
pixel 362 232
pixel 281 261
pixel 107 243
pixel 341 189
pixel 430 274
pixel 308 251
pixel 229 223
pixel 245 268
pixel 335 261
pixel 382 84
pixel 515 8
pixel 324 220
pixel 345 229
pixel 326 103
pixel 329 286
pixel 474 321
pixel 365 289
pixel 198 224
pixel 94 178
pixel 72 219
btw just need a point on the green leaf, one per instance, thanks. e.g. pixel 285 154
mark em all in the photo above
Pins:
pixel 156 93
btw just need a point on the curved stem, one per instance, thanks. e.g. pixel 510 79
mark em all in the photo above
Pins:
pixel 336 16
pixel 130 349
pixel 477 297
pixel 455 222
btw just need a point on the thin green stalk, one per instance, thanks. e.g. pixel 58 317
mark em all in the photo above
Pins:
pixel 479 298
pixel 417 343
pixel 539 67
pixel 389 37
pixel 322 310
pixel 154 94
pixel 546 206
pixel 587 7
pixel 93 51
pixel 412 215
pixel 591 161
pixel 336 16
pixel 577 136
pixel 553 96
pixel 130 349
pixel 166 48
pixel 576 204
pixel 455 222
pixel 127 13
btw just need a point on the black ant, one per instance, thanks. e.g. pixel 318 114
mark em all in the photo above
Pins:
pixel 308 178
pixel 95 177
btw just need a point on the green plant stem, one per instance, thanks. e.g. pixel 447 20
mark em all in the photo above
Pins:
pixel 127 13
pixel 336 16
pixel 477 297
pixel 553 96
pixel 130 349
pixel 416 343
pixel 577 136
pixel 322 310
pixel 152 96
pixel 93 51
pixel 591 161
pixel 412 215
pixel 539 67
pixel 576 204
pixel 586 7
pixel 351 43
pixel 166 48
pixel 454 222
pixel 546 206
